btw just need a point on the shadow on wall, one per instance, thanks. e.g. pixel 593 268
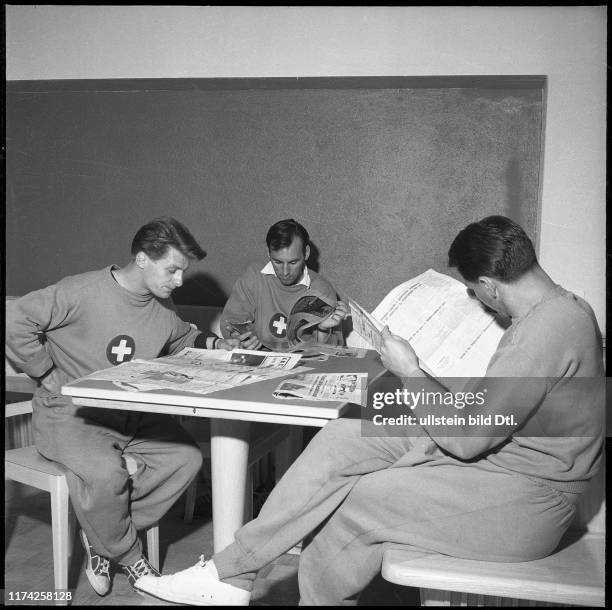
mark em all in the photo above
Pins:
pixel 200 289
pixel 204 288
pixel 313 259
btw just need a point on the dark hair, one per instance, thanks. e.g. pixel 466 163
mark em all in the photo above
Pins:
pixel 495 247
pixel 282 233
pixel 162 233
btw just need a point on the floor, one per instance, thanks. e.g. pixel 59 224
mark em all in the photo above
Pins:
pixel 28 564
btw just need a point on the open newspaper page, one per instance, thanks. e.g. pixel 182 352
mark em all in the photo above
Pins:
pixel 366 325
pixel 349 387
pixel 200 371
pixel 452 333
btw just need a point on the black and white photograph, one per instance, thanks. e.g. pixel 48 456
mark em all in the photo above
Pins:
pixel 194 179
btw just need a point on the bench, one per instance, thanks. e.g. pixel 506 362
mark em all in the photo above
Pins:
pixel 572 575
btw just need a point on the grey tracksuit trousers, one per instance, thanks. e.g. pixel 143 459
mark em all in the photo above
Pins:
pixel 363 495
pixel 110 504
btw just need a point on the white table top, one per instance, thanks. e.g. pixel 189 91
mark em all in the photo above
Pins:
pixel 252 402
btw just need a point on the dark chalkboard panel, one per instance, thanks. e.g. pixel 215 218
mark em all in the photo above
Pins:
pixel 382 171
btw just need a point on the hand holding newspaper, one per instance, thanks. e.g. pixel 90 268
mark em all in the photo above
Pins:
pixel 452 333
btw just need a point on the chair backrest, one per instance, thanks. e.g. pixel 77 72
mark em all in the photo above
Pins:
pixel 14 409
pixel 18 427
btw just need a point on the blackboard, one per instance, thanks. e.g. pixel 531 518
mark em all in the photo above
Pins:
pixel 382 171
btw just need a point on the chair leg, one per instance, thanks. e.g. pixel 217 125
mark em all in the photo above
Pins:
pixel 73 525
pixel 282 458
pixel 296 442
pixel 153 545
pixel 286 452
pixel 190 500
pixel 60 503
pixel 248 497
pixel 435 597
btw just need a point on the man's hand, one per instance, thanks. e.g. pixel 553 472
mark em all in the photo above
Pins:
pixel 52 381
pixel 228 344
pixel 336 318
pixel 398 356
pixel 249 340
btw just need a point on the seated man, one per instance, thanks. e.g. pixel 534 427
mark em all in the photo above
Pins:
pixel 472 491
pixel 263 298
pixel 125 469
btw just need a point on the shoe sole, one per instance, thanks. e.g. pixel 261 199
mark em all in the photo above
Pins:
pixel 89 570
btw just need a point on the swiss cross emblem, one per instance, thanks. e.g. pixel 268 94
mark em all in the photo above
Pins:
pixel 278 325
pixel 120 349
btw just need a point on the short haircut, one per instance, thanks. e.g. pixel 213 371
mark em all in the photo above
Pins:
pixel 282 233
pixel 160 234
pixel 495 247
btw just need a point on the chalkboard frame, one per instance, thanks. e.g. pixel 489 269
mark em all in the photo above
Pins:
pixel 299 82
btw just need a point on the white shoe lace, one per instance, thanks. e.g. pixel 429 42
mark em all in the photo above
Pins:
pixel 141 567
pixel 179 576
pixel 102 567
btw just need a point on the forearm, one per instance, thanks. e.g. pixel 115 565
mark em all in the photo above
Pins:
pixel 26 319
pixel 323 336
pixel 478 418
pixel 239 309
pixel 206 340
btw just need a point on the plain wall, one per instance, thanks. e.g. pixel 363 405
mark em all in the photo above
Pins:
pixel 567 44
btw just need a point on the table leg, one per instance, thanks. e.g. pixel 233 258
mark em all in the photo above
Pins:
pixel 229 454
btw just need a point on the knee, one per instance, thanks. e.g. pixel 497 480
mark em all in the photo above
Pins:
pixel 337 430
pixel 97 485
pixel 189 459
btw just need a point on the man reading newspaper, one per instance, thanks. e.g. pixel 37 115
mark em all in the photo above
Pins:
pixel 476 492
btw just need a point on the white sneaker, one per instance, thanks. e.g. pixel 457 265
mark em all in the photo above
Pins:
pixel 97 568
pixel 198 586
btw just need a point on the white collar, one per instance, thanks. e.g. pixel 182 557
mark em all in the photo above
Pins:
pixel 269 270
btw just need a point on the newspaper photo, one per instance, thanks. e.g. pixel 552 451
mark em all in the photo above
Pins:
pixel 199 370
pixel 451 332
pixel 349 387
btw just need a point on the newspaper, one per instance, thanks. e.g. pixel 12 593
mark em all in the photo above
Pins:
pixel 347 387
pixel 452 333
pixel 322 352
pixel 366 325
pixel 200 371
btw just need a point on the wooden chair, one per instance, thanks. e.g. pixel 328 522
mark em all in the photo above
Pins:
pixel 573 574
pixel 25 465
